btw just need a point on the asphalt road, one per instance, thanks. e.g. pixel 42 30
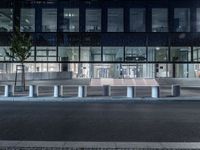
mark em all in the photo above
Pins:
pixel 176 121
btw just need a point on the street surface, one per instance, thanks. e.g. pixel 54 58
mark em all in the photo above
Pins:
pixel 175 121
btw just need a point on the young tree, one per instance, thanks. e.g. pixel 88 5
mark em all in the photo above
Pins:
pixel 20 50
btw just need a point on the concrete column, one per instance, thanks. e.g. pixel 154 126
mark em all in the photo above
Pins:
pixel 106 90
pixel 33 90
pixel 176 90
pixel 82 91
pixel 131 92
pixel 9 90
pixel 155 92
pixel 58 91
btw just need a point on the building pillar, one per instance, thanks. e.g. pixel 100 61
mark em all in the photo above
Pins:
pixel 82 91
pixel 155 92
pixel 131 92
pixel 33 90
pixel 9 90
pixel 58 91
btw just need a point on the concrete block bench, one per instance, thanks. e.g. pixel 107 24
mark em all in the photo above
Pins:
pixel 131 85
pixel 33 90
pixel 8 90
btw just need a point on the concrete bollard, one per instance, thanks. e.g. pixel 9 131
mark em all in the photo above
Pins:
pixel 106 90
pixel 131 92
pixel 58 91
pixel 155 92
pixel 9 90
pixel 176 90
pixel 33 90
pixel 82 91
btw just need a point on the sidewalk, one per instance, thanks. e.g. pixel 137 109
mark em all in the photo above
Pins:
pixel 97 99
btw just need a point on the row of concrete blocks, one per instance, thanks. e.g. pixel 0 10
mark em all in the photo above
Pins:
pixel 82 91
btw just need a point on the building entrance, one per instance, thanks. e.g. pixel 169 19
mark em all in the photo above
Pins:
pixel 122 70
pixel 132 70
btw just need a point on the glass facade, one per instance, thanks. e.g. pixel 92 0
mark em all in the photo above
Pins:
pixel 198 19
pixel 3 56
pixel 158 54
pixel 93 20
pixel 106 39
pixel 137 20
pixel 27 20
pixel 113 54
pixel 71 20
pixel 68 53
pixel 182 20
pixel 196 54
pixel 90 53
pixel 49 20
pixel 115 20
pixel 45 53
pixel 159 20
pixel 180 54
pixel 135 54
pixel 6 20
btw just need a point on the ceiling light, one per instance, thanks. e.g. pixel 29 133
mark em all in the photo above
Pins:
pixel 157 48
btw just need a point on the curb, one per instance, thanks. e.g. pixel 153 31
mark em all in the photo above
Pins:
pixel 99 145
pixel 96 99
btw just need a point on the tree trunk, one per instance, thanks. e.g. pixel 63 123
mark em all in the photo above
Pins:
pixel 23 78
pixel 174 70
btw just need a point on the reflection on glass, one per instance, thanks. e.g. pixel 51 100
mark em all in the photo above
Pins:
pixel 198 19
pixel 27 20
pixel 135 54
pixel 3 56
pixel 196 54
pixel 93 20
pixel 157 53
pixel 137 20
pixel 90 53
pixel 113 53
pixel 180 54
pixel 49 20
pixel 45 53
pixel 71 20
pixel 6 20
pixel 182 19
pixel 196 68
pixel 31 58
pixel 115 20
pixel 182 70
pixel 68 53
pixel 159 20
